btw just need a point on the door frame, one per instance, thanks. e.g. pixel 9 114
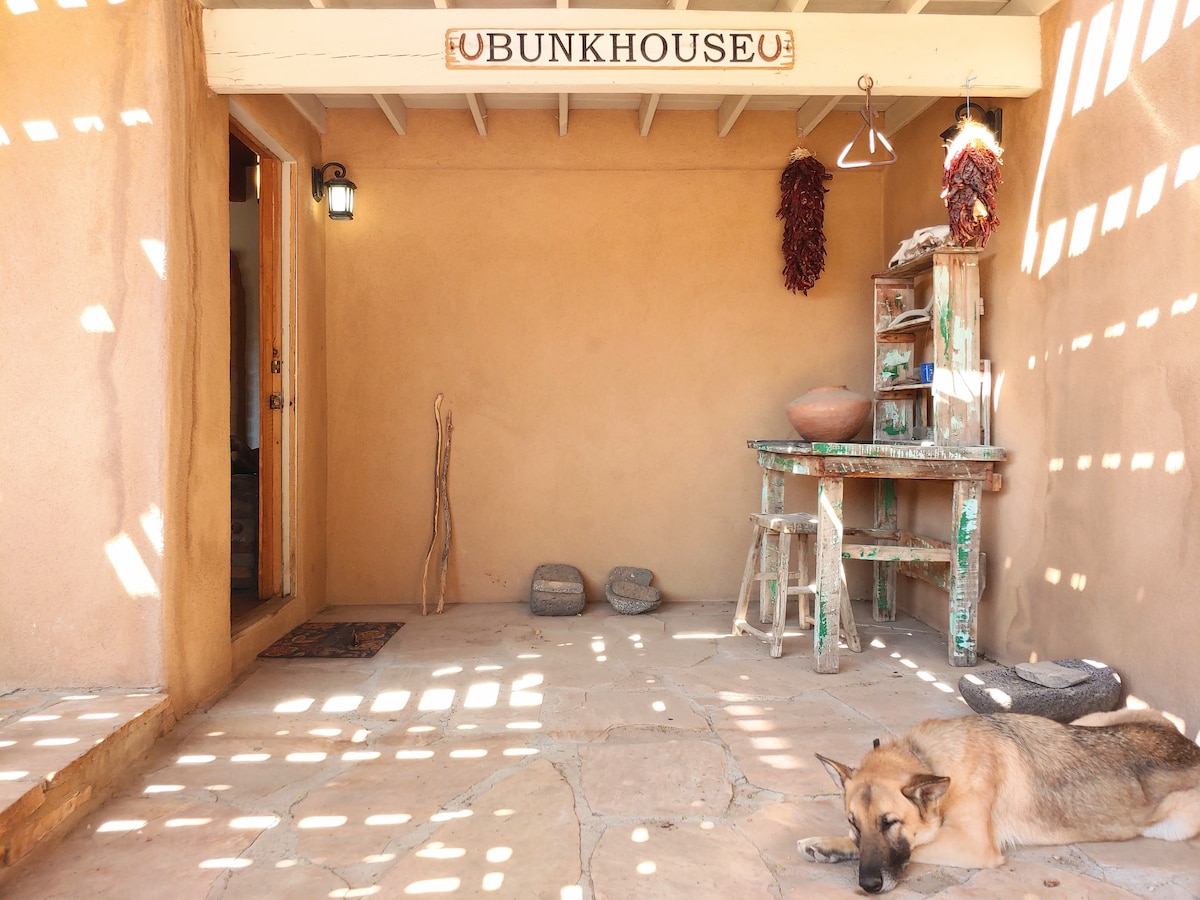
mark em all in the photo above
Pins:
pixel 277 307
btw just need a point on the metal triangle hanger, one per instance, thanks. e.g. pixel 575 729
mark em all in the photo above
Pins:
pixel 865 83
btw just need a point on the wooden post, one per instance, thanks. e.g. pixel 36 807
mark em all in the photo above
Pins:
pixel 772 502
pixel 964 574
pixel 827 603
pixel 883 608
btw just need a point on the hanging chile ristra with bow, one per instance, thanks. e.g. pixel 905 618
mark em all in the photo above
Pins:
pixel 802 208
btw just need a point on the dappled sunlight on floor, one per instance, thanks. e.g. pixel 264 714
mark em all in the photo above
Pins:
pixel 488 752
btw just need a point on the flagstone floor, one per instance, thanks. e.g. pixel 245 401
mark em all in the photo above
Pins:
pixel 486 752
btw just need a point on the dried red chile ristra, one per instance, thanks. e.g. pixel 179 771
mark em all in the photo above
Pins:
pixel 802 208
pixel 969 184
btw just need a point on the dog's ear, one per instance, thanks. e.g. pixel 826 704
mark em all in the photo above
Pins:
pixel 837 771
pixel 925 790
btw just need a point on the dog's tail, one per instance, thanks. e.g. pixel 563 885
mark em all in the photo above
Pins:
pixel 1128 714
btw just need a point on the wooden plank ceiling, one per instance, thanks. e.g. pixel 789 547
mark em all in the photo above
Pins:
pixel 391 55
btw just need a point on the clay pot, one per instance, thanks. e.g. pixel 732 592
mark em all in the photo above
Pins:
pixel 829 413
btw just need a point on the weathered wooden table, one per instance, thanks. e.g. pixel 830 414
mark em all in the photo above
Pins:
pixel 955 565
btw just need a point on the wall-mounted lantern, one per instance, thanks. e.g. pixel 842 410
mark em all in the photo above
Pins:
pixel 339 189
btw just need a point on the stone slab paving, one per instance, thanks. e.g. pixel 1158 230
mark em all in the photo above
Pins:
pixel 489 752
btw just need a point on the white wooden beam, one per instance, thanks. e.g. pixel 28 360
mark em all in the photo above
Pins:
pixel 311 108
pixel 646 110
pixel 727 114
pixel 397 113
pixel 564 107
pixel 478 113
pixel 815 109
pixel 904 111
pixel 396 51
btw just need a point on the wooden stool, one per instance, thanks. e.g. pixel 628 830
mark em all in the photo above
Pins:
pixel 776 580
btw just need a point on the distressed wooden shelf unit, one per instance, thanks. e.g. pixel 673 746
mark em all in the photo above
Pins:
pixel 927 310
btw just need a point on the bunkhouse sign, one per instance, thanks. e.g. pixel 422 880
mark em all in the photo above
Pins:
pixel 634 48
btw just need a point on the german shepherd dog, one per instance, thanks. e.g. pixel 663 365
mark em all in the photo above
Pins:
pixel 957 792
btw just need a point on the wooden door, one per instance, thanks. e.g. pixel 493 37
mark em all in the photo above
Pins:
pixel 271 395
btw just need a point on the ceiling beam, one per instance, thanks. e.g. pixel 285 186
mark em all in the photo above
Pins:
pixel 815 109
pixel 727 114
pixel 646 110
pixel 397 113
pixel 311 108
pixel 908 7
pixel 792 6
pixel 564 107
pixel 396 51
pixel 1026 7
pixel 904 111
pixel 478 113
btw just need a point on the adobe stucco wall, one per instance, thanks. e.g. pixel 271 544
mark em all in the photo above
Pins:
pixel 114 465
pixel 606 317
pixel 83 448
pixel 1093 542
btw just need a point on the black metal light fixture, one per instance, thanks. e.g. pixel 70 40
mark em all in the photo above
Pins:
pixel 340 190
pixel 992 119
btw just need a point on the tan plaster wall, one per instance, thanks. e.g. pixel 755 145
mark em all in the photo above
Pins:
pixel 1093 541
pixel 114 466
pixel 85 437
pixel 606 317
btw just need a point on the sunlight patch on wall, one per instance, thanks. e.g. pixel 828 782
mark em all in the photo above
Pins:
pixel 1183 305
pixel 1113 331
pixel 1148 319
pixel 1093 58
pixel 1173 464
pixel 4 141
pixel 1082 342
pixel 96 320
pixel 1084 462
pixel 18 7
pixel 1054 576
pixel 1058 103
pixel 1078 581
pixel 73 4
pixel 133 117
pixel 156 252
pixel 84 124
pixel 1115 210
pixel 1052 248
pixel 1159 29
pixel 152 527
pixel 1110 461
pixel 40 130
pixel 1189 165
pixel 1123 43
pixel 1141 461
pixel 1081 231
pixel 1152 188
pixel 130 568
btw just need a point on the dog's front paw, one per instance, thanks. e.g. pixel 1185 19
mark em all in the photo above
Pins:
pixel 827 849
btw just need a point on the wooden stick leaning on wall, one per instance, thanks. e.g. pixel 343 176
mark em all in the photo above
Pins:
pixel 437 501
pixel 444 496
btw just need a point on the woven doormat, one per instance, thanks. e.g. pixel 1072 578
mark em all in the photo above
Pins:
pixel 332 640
